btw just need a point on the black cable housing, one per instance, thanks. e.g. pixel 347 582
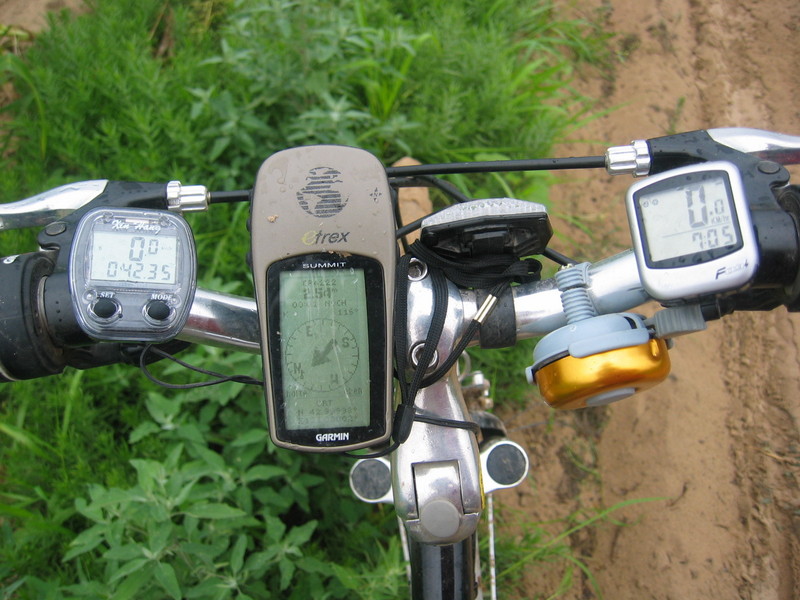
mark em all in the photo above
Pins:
pixel 228 197
pixel 500 166
pixel 420 175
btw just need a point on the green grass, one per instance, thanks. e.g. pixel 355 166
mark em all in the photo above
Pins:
pixel 534 546
pixel 112 486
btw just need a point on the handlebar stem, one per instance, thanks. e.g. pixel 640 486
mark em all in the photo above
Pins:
pixel 436 472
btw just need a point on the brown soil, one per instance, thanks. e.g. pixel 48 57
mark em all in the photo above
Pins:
pixel 32 14
pixel 718 443
pixel 717 446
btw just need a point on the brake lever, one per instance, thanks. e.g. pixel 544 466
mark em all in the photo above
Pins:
pixel 52 205
pixel 655 155
pixel 766 145
pixel 45 208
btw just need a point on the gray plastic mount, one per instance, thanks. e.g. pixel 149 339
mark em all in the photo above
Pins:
pixel 592 336
pixel 678 320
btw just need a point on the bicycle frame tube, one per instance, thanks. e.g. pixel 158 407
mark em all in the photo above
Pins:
pixel 444 572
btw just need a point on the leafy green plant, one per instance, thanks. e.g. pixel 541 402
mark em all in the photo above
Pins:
pixel 505 369
pixel 157 494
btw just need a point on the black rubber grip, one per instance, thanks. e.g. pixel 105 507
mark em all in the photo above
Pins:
pixel 26 351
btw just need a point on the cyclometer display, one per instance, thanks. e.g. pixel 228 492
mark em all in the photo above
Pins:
pixel 324 255
pixel 692 232
pixel 689 219
pixel 134 257
pixel 132 274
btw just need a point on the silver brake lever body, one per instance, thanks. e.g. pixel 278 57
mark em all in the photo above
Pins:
pixel 52 205
pixel 767 145
pixel 49 206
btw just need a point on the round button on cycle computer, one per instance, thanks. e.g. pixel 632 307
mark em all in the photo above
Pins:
pixel 105 308
pixel 132 274
pixel 692 232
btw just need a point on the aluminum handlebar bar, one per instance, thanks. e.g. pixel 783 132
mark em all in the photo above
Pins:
pixel 231 322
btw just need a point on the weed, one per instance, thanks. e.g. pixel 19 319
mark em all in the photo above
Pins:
pixel 161 496
pixel 628 45
pixel 505 369
pixel 534 546
pixel 675 116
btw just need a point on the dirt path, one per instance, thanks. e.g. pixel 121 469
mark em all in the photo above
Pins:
pixel 32 14
pixel 719 441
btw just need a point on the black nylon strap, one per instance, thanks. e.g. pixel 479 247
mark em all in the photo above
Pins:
pixel 405 415
pixel 495 272
pixel 481 271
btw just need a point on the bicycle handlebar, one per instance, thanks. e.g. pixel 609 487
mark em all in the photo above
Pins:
pixel 439 475
pixel 438 466
pixel 231 322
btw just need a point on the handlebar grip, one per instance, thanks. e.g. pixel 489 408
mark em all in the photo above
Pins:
pixel 778 280
pixel 26 350
pixel 34 305
pixel 789 200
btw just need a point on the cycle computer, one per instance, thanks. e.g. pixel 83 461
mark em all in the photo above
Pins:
pixel 323 256
pixel 132 274
pixel 692 232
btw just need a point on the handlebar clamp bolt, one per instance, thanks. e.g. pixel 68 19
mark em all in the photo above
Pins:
pixel 417 270
pixel 416 356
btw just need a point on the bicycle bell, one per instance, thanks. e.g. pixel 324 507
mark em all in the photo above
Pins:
pixel 595 359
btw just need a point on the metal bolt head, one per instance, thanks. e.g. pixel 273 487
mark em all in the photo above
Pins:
pixel 416 355
pixel 417 270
